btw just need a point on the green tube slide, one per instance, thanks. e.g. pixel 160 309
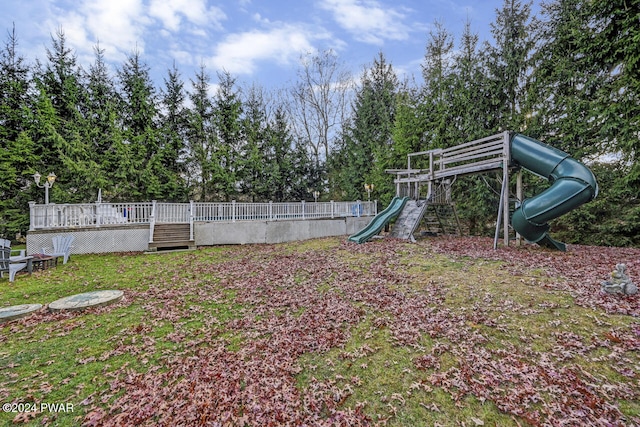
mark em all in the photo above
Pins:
pixel 379 221
pixel 573 184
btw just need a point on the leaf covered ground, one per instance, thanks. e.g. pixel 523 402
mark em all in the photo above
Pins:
pixel 445 331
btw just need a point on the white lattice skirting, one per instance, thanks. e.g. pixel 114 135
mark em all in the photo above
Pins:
pixel 129 238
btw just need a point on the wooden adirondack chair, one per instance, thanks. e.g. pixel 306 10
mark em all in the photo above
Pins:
pixel 5 261
pixel 61 247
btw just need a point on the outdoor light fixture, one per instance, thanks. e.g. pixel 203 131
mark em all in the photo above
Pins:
pixel 369 188
pixel 51 178
pixel 316 193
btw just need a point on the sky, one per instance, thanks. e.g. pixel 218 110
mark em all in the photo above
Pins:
pixel 257 41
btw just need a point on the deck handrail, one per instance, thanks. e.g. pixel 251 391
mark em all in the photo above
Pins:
pixel 66 215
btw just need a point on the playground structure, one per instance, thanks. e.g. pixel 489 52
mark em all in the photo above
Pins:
pixel 572 184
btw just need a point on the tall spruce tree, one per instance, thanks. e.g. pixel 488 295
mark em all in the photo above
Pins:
pixel 508 63
pixel 605 46
pixel 610 44
pixel 366 148
pixel 201 140
pixel 172 135
pixel 437 74
pixel 103 130
pixel 228 111
pixel 16 146
pixel 253 157
pixel 140 160
pixel 69 156
pixel 475 196
pixel 562 83
pixel 468 93
pixel 286 164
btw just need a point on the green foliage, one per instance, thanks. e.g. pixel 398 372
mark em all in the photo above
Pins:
pixel 612 219
pixel 366 148
pixel 230 143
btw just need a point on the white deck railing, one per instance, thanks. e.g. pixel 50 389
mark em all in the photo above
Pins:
pixel 100 214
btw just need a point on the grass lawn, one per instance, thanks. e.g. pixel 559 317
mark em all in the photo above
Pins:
pixel 444 331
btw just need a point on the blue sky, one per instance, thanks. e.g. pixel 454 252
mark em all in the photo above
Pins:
pixel 257 41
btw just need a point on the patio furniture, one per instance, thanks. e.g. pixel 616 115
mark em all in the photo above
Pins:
pixel 6 263
pixel 61 247
pixel 43 262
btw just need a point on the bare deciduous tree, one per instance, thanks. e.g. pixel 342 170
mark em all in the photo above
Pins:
pixel 318 102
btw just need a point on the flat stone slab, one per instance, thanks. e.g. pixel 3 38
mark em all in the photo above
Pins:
pixel 86 300
pixel 14 312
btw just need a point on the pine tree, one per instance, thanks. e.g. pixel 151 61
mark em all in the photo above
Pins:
pixel 16 147
pixel 141 163
pixel 228 111
pixel 172 135
pixel 366 148
pixel 253 160
pixel 468 95
pixel 474 195
pixel 285 165
pixel 610 44
pixel 69 156
pixel 103 129
pixel 508 63
pixel 561 97
pixel 437 74
pixel 201 140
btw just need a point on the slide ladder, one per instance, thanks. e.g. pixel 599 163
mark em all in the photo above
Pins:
pixel 409 219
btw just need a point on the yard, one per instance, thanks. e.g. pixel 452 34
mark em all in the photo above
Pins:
pixel 445 332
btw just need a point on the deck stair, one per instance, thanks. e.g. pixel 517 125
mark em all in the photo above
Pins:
pixel 171 236
pixel 409 219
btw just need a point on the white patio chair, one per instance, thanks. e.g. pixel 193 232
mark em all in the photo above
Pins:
pixel 61 247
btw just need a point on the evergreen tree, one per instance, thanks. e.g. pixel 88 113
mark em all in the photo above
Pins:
pixel 610 45
pixel 16 147
pixel 172 135
pixel 228 112
pixel 69 156
pixel 437 73
pixel 141 162
pixel 103 127
pixel 475 196
pixel 561 92
pixel 508 63
pixel 366 148
pixel 286 165
pixel 253 157
pixel 201 140
pixel 468 93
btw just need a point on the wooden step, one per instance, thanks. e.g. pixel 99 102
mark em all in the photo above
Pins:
pixel 171 236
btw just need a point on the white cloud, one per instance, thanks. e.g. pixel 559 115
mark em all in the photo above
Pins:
pixel 172 13
pixel 117 24
pixel 367 20
pixel 239 53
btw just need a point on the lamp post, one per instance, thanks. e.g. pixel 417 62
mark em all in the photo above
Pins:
pixel 316 193
pixel 51 178
pixel 369 188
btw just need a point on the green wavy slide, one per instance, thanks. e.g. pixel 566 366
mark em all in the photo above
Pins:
pixel 379 221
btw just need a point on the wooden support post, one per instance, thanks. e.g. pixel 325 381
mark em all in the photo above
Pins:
pixel 505 187
pixel 505 205
pixel 519 197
